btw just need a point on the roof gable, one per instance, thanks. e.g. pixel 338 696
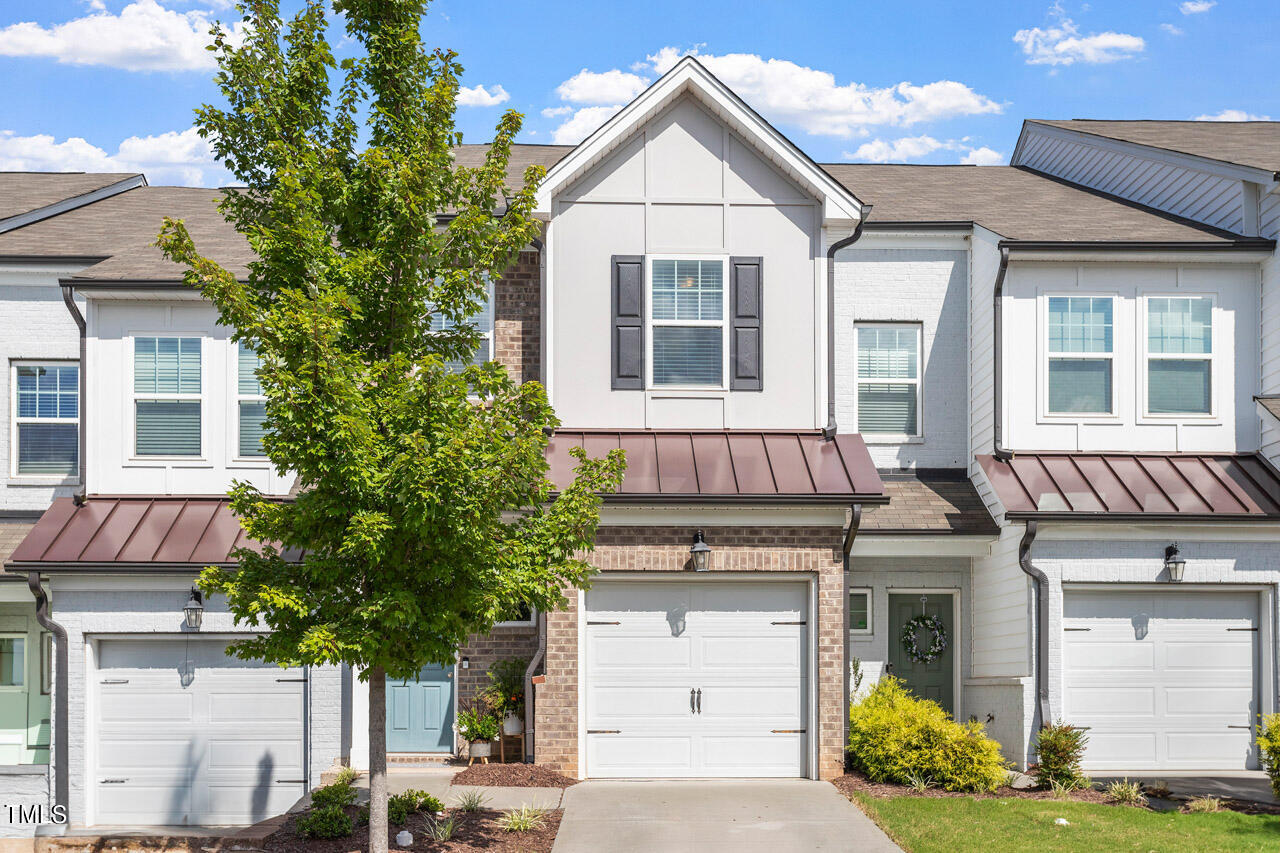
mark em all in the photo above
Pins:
pixel 690 77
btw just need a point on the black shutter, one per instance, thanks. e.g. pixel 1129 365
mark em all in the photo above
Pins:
pixel 746 320
pixel 627 278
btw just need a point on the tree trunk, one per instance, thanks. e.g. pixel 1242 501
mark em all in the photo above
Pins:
pixel 377 760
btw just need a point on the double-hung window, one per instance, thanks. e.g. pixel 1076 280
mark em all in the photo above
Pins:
pixel 251 405
pixel 686 322
pixel 888 379
pixel 47 419
pixel 1179 355
pixel 1081 345
pixel 166 392
pixel 483 322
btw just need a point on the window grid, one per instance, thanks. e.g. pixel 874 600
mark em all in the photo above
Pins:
pixel 687 322
pixel 251 406
pixel 167 396
pixel 46 423
pixel 1179 356
pixel 1080 371
pixel 888 379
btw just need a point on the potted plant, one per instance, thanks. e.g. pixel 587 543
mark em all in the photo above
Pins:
pixel 505 694
pixel 479 727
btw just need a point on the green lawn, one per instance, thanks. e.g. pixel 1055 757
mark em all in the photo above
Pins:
pixel 960 824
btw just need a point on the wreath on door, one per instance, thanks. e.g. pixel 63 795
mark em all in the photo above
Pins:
pixel 911 640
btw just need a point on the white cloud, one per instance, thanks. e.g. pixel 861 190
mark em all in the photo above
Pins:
pixel 602 88
pixel 1171 29
pixel 145 36
pixel 552 112
pixel 983 156
pixel 910 148
pixel 1062 44
pixel 175 157
pixel 1195 7
pixel 582 123
pixel 1233 115
pixel 478 96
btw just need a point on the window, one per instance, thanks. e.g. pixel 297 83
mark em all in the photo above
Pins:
pixel 525 615
pixel 889 379
pixel 13 660
pixel 251 405
pixel 47 419
pixel 859 611
pixel 1081 355
pixel 166 386
pixel 686 308
pixel 1179 355
pixel 482 320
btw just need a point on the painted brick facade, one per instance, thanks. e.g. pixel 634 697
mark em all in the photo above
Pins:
pixel 812 550
pixel 517 323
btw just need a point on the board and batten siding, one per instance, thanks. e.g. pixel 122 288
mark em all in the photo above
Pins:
pixel 1269 219
pixel 682 185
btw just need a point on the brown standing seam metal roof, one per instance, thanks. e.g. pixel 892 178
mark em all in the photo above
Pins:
pixel 929 503
pixel 1175 486
pixel 727 466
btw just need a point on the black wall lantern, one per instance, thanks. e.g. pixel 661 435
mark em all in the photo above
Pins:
pixel 700 553
pixel 1174 563
pixel 193 611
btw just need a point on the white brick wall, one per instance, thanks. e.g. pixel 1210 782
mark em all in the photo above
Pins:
pixel 22 786
pixel 925 285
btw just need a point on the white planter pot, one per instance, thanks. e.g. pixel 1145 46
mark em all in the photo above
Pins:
pixel 512 724
pixel 481 748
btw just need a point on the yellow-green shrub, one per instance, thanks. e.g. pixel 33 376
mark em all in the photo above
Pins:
pixel 895 737
pixel 1269 746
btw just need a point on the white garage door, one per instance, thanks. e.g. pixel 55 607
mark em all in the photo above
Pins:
pixel 188 736
pixel 1164 680
pixel 701 679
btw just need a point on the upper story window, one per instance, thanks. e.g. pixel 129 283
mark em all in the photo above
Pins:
pixel 46 419
pixel 482 320
pixel 1081 355
pixel 686 321
pixel 251 405
pixel 1179 354
pixel 888 376
pixel 167 396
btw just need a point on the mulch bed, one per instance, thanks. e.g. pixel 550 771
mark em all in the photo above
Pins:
pixel 477 832
pixel 512 776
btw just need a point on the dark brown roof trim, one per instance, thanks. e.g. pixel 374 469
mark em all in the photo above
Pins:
pixel 984 533
pixel 1144 517
pixel 929 224
pixel 124 283
pixel 53 259
pixel 52 568
pixel 743 500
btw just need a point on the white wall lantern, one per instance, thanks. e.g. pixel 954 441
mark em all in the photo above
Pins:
pixel 700 553
pixel 1174 563
pixel 193 611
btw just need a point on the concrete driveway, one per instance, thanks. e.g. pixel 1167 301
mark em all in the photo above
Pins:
pixel 748 816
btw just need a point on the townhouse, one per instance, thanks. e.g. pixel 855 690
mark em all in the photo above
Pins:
pixel 944 422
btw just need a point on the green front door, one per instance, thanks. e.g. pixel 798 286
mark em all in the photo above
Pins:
pixel 934 680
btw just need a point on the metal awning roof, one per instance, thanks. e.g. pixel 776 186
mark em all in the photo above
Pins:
pixel 1136 486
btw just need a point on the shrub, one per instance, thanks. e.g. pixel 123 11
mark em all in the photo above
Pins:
pixel 337 794
pixel 522 819
pixel 1269 746
pixel 505 692
pixel 400 806
pixel 442 829
pixel 1063 788
pixel 1126 793
pixel 1203 805
pixel 1059 748
pixel 472 801
pixel 327 822
pixel 346 776
pixel 895 737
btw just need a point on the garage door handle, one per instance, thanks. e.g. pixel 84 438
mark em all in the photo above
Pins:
pixel 1077 629
pixel 1239 727
pixel 788 731
pixel 693 709
pixel 799 622
pixel 604 731
pixel 290 679
pixel 597 622
pixel 699 700
pixel 114 781
pixel 291 781
pixel 114 681
pixel 1242 629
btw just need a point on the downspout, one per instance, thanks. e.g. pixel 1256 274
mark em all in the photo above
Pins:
pixel 69 297
pixel 61 781
pixel 1042 622
pixel 855 520
pixel 830 431
pixel 998 450
pixel 534 663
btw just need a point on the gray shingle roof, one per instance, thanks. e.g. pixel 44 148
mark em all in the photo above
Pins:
pixel 929 503
pixel 1015 202
pixel 522 157
pixel 1245 143
pixel 23 192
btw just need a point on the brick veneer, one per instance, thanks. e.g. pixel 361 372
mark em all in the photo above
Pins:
pixel 484 650
pixel 517 323
pixel 813 550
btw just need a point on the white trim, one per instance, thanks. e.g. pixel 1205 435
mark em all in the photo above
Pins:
pixel 130 427
pixel 14 420
pixel 870 544
pixel 235 398
pixel 1045 356
pixel 956 630
pixel 520 623
pixel 871 619
pixel 1213 416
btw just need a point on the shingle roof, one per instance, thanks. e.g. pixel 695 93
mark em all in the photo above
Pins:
pixel 1183 486
pixel 1271 404
pixel 929 503
pixel 1245 143
pixel 121 229
pixel 523 156
pixel 1015 202
pixel 23 192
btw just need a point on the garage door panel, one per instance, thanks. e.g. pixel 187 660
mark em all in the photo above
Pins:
pixel 622 651
pixel 1095 604
pixel 775 755
pixel 1123 749
pixel 1088 703
pixel 1209 656
pixel 1202 749
pixel 268 706
pixel 1230 705
pixel 653 701
pixel 141 750
pixel 768 703
pixel 143 804
pixel 232 803
pixel 732 653
pixel 649 599
pixel 718 602
pixel 626 755
pixel 1111 657
pixel 254 755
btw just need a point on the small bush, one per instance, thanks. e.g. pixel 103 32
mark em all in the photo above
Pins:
pixel 346 776
pixel 1126 793
pixel 442 829
pixel 1203 805
pixel 337 794
pixel 895 737
pixel 472 801
pixel 400 806
pixel 1063 788
pixel 327 822
pixel 919 784
pixel 522 819
pixel 1269 746
pixel 1059 749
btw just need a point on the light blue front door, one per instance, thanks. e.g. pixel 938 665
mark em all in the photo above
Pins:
pixel 420 713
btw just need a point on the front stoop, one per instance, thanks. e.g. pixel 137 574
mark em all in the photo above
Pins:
pixel 420 759
pixel 213 840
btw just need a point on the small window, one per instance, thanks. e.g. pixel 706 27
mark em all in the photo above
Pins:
pixel 686 316
pixel 482 320
pixel 889 379
pixel 13 660
pixel 47 419
pixel 1081 355
pixel 1179 355
pixel 166 386
pixel 859 611
pixel 524 615
pixel 251 405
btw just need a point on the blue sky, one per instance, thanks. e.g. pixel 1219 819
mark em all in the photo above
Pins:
pixel 110 84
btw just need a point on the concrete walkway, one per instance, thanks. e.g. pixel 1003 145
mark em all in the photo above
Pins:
pixel 746 816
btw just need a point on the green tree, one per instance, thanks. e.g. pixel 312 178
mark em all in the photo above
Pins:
pixel 425 513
